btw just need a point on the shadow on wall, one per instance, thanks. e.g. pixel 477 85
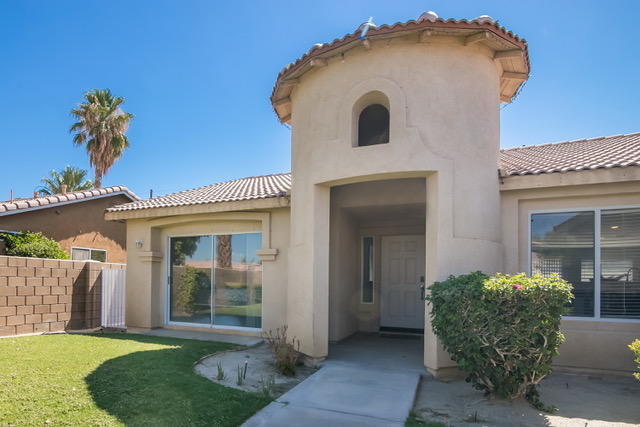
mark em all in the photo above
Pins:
pixel 161 388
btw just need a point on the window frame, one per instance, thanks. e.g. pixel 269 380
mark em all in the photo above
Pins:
pixel 106 253
pixel 362 260
pixel 167 292
pixel 597 268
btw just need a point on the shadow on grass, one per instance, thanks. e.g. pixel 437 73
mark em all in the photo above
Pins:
pixel 159 387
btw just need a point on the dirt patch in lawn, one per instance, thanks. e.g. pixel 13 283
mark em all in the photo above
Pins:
pixel 260 368
pixel 581 401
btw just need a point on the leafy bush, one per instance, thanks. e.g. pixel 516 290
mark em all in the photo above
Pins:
pixel 635 347
pixel 191 281
pixel 503 331
pixel 33 245
pixel 287 353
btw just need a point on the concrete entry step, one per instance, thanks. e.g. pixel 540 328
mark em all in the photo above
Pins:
pixel 344 394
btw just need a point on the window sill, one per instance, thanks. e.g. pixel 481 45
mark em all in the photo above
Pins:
pixel 600 319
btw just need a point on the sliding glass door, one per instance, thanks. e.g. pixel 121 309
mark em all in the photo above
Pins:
pixel 190 279
pixel 216 280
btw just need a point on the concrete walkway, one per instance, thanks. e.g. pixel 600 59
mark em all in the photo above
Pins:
pixel 351 391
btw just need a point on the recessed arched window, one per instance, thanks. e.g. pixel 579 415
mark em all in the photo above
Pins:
pixel 373 125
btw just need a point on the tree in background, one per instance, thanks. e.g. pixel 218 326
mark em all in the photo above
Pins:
pixel 73 178
pixel 101 126
pixel 223 249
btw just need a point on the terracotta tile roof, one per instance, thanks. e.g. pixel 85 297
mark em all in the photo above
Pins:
pixel 23 205
pixel 584 154
pixel 255 187
pixel 501 39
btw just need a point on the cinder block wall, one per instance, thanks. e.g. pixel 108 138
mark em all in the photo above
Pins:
pixel 47 295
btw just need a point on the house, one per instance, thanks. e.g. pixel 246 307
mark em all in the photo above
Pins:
pixel 75 220
pixel 398 180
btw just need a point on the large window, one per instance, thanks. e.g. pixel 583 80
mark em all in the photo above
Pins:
pixel 216 280
pixel 598 251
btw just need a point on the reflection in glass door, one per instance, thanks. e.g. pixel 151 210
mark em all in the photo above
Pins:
pixel 190 283
pixel 232 296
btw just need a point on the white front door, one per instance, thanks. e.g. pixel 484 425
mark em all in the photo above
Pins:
pixel 403 259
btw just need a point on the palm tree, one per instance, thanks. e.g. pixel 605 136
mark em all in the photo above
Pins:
pixel 73 178
pixel 101 127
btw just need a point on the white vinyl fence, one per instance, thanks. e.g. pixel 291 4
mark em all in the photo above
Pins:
pixel 113 291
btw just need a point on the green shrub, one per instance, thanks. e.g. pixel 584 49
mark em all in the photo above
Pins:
pixel 503 331
pixel 190 282
pixel 33 245
pixel 635 347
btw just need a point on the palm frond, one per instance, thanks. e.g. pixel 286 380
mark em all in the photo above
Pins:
pixel 101 126
pixel 70 176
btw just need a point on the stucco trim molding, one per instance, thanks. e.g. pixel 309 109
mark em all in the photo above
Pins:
pixel 267 254
pixel 150 256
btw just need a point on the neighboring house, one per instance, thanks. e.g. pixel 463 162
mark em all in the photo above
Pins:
pixel 397 181
pixel 75 220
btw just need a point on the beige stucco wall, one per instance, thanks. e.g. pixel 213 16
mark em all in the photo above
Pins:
pixel 444 113
pixel 590 345
pixel 147 271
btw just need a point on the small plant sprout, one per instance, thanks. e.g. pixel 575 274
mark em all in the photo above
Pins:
pixel 241 373
pixel 221 375
pixel 267 386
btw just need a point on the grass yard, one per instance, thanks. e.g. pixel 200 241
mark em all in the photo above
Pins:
pixel 114 379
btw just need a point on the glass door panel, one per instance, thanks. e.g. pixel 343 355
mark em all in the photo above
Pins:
pixel 190 284
pixel 238 280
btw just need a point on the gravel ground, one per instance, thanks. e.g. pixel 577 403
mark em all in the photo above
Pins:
pixel 582 401
pixel 260 370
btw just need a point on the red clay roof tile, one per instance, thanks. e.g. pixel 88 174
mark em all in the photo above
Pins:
pixel 20 204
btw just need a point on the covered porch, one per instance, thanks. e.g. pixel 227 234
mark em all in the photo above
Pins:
pixel 377 268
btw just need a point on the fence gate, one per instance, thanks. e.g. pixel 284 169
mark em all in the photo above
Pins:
pixel 113 289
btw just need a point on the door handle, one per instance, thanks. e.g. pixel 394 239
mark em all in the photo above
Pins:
pixel 422 288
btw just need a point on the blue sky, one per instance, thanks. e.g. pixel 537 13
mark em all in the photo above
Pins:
pixel 197 75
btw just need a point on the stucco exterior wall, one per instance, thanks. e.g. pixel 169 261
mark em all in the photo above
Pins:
pixel 147 245
pixel 444 126
pixel 599 345
pixel 76 225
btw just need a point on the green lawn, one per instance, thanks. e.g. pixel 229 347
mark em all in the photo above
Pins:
pixel 114 379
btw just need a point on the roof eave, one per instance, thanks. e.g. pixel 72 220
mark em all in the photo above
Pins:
pixel 570 178
pixel 508 50
pixel 125 193
pixel 238 205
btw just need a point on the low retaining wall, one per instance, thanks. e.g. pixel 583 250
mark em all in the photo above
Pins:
pixel 49 295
